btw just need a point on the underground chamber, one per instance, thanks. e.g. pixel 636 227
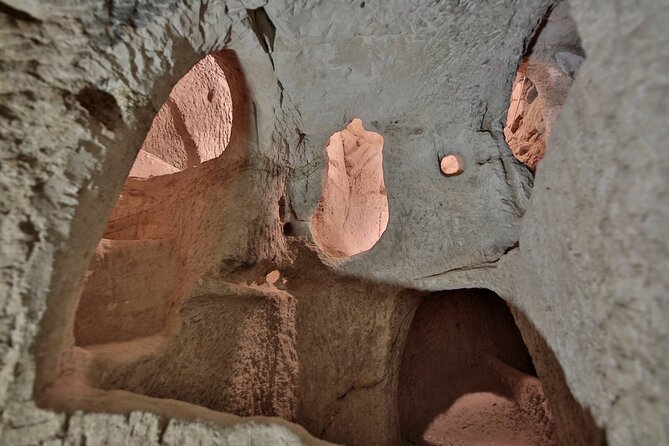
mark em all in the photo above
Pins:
pixel 176 306
pixel 155 244
pixel 352 213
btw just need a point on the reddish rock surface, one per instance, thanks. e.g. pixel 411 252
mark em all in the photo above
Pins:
pixel 192 126
pixel 164 315
pixel 113 310
pixel 152 249
pixel 452 165
pixel 467 378
pixel 584 259
pixel 353 210
pixel 541 86
pixel 526 131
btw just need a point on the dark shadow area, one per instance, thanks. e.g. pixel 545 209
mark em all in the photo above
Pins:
pixel 544 77
pixel 466 376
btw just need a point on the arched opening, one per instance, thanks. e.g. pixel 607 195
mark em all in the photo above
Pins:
pixel 541 85
pixel 353 210
pixel 466 376
pixel 250 341
pixel 152 249
pixel 162 325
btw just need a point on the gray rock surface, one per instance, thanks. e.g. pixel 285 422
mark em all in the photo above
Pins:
pixel 597 231
pixel 584 258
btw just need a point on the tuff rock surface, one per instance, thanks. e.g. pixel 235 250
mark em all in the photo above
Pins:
pixel 578 252
pixel 541 85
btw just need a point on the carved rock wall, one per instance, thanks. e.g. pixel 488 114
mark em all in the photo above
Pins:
pixel 542 84
pixel 583 260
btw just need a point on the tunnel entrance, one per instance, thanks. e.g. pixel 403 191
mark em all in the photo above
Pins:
pixel 466 376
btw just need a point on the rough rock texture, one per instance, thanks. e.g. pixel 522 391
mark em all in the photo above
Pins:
pixel 112 309
pixel 525 130
pixel 467 378
pixel 452 165
pixel 192 126
pixel 541 85
pixel 155 244
pixel 582 262
pixel 232 353
pixel 353 210
pixel 595 237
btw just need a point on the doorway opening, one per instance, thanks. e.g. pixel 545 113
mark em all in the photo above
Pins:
pixel 466 376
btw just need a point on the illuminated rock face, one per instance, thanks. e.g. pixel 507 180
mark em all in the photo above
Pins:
pixel 452 165
pixel 525 130
pixel 281 342
pixel 145 263
pixel 541 86
pixel 353 211
pixel 469 340
pixel 165 307
pixel 192 126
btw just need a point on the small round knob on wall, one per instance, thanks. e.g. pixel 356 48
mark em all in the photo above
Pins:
pixel 452 164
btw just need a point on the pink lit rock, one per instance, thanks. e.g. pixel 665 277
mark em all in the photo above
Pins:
pixel 113 310
pixel 203 101
pixel 273 276
pixel 526 130
pixel 541 86
pixel 492 396
pixel 452 165
pixel 139 272
pixel 149 165
pixel 353 210
pixel 193 126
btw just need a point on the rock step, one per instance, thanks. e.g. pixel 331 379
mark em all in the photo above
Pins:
pixel 113 310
